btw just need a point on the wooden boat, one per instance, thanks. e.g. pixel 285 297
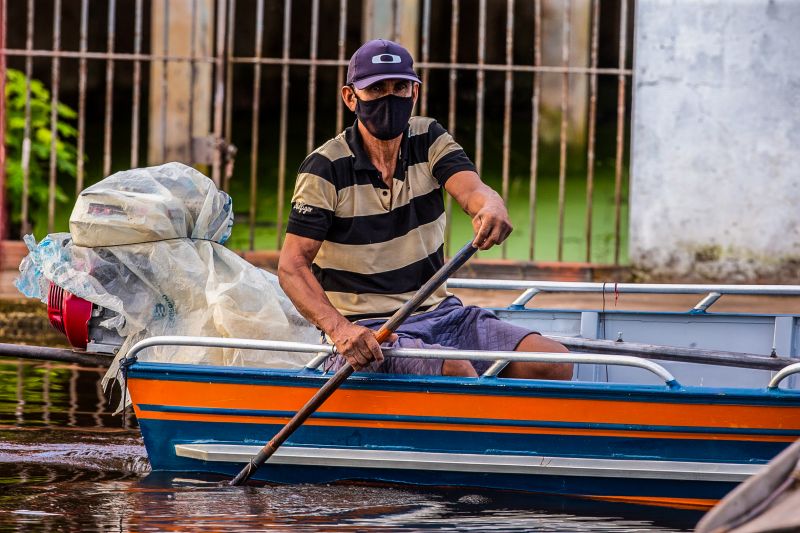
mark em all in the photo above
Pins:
pixel 626 429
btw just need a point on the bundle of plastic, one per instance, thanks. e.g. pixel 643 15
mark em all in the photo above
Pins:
pixel 147 244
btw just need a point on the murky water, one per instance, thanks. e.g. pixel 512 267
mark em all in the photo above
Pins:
pixel 68 465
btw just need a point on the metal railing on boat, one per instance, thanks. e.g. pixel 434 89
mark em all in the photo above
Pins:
pixel 323 351
pixel 782 374
pixel 712 292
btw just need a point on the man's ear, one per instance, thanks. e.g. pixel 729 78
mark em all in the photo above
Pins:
pixel 415 91
pixel 349 98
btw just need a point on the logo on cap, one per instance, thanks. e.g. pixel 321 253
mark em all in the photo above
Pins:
pixel 385 58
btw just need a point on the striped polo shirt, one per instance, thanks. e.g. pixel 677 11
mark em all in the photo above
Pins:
pixel 379 245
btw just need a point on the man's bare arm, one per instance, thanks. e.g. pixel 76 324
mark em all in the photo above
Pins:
pixel 356 343
pixel 488 211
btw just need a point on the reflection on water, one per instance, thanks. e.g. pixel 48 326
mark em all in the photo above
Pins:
pixel 42 394
pixel 66 464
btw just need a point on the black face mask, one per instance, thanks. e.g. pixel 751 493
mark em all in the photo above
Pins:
pixel 385 117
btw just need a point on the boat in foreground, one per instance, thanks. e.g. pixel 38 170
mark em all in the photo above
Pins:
pixel 625 429
pixel 649 439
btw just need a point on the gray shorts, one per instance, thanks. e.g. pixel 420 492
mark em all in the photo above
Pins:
pixel 452 325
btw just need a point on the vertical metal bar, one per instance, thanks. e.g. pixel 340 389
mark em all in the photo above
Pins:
pixel 369 14
pixel 451 111
pixel 164 90
pixel 453 78
pixel 481 82
pixel 3 210
pixel 623 41
pixel 312 77
pixel 535 98
pixel 219 91
pixel 509 86
pixel 396 20
pixel 82 66
pixel 137 81
pixel 562 161
pixel 192 76
pixel 590 155
pixel 164 79
pixel 340 69
pixel 56 81
pixel 26 141
pixel 254 124
pixel 109 112
pixel 287 30
pixel 229 84
pixel 426 31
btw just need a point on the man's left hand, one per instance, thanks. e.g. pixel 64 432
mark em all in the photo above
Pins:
pixel 491 225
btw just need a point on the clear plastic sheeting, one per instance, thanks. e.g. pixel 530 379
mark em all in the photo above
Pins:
pixel 147 245
pixel 170 201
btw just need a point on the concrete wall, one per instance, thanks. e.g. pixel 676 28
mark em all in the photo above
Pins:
pixel 715 177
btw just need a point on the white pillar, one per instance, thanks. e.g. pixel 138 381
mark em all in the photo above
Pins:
pixel 396 20
pixel 715 186
pixel 169 135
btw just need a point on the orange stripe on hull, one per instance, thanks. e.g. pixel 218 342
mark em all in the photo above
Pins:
pixel 692 504
pixel 190 417
pixel 276 398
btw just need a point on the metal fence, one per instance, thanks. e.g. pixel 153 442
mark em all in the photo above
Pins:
pixel 247 46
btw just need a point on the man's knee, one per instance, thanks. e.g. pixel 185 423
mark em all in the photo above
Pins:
pixel 458 367
pixel 531 370
pixel 537 343
pixel 557 371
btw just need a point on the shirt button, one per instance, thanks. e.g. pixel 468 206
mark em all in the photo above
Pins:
pixel 386 193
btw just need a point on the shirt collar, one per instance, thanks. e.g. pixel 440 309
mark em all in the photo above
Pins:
pixel 361 160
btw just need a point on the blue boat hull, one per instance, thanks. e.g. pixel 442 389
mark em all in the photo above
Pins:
pixel 639 444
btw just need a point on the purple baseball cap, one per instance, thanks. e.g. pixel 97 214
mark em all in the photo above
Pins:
pixel 380 60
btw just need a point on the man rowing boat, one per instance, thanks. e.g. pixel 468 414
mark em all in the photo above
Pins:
pixel 366 230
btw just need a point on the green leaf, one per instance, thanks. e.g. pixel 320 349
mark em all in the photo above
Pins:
pixel 20 94
pixel 66 130
pixel 65 111
pixel 16 123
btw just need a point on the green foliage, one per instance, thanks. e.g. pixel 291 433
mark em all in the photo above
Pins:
pixel 40 140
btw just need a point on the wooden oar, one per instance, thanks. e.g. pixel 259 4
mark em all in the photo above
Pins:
pixel 62 355
pixel 343 373
pixel 675 353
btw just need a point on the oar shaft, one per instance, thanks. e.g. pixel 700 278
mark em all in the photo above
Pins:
pixel 343 373
pixel 675 353
pixel 297 420
pixel 425 291
pixel 63 355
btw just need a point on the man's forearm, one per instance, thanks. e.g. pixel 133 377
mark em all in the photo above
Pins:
pixel 303 289
pixel 356 343
pixel 488 211
pixel 479 198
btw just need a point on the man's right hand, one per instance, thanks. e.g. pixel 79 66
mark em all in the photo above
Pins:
pixel 356 344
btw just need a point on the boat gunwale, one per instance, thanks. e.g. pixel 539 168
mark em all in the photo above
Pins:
pixel 706 315
pixel 495 386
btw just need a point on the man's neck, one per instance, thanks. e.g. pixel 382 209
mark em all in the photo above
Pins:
pixel 381 153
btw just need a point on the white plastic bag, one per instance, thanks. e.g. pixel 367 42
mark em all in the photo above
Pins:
pixel 168 277
pixel 150 204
